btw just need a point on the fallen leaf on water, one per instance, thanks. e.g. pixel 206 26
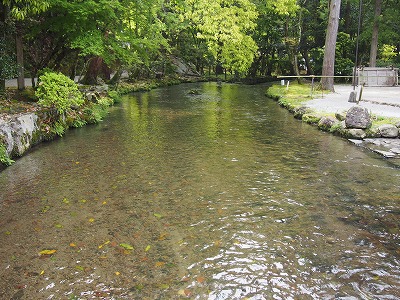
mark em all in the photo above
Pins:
pixel 117 273
pixel 47 252
pixel 91 220
pixel 159 264
pixel 42 272
pixel 164 286
pixel 45 209
pixel 162 236
pixel 58 226
pixel 147 248
pixel 184 292
pixel 218 243
pixel 80 268
pixel 105 243
pixel 77 162
pixel 8 232
pixel 185 279
pixel 104 202
pixel 72 245
pixel 158 215
pixel 66 201
pixel 126 246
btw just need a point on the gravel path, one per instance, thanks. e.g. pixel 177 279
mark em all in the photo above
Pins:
pixel 380 101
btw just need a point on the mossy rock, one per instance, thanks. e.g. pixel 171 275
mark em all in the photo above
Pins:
pixel 300 111
pixel 311 118
pixel 326 123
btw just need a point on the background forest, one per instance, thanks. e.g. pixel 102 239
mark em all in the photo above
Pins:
pixel 246 38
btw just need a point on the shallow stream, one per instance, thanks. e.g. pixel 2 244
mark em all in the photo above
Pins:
pixel 200 192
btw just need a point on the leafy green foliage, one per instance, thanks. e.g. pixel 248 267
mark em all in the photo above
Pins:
pixel 224 26
pixel 59 92
pixel 4 158
pixel 20 9
pixel 8 67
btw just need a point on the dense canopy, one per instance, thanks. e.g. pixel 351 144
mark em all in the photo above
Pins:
pixel 254 38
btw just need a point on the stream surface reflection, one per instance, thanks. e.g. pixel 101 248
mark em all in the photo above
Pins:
pixel 201 192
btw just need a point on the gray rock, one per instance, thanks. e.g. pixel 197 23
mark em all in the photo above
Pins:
pixel 356 133
pixel 353 97
pixel 395 150
pixel 325 123
pixel 341 116
pixel 386 154
pixel 18 133
pixel 388 131
pixel 298 112
pixel 358 117
pixel 356 142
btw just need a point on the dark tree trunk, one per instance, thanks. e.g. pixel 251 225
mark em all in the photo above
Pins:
pixel 306 57
pixel 375 33
pixel 328 66
pixel 97 68
pixel 20 58
pixel 3 16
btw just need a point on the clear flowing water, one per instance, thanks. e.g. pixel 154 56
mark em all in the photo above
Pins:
pixel 201 192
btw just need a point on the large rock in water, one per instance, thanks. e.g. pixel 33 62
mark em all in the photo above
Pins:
pixel 358 117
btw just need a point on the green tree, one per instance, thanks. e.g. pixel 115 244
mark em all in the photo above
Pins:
pixel 16 11
pixel 225 26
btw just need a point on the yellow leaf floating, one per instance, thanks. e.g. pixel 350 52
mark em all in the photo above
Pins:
pixel 126 246
pixel 91 220
pixel 102 245
pixel 158 215
pixel 147 248
pixel 159 264
pixel 117 273
pixel 47 252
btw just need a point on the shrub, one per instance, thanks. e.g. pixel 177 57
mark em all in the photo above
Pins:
pixel 59 92
pixel 4 158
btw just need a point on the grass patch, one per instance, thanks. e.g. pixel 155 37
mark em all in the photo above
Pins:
pixel 291 97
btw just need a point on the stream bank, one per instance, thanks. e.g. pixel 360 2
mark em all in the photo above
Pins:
pixel 375 128
pixel 24 124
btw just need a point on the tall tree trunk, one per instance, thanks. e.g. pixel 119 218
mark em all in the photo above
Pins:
pixel 328 66
pixel 3 16
pixel 97 68
pixel 20 58
pixel 375 32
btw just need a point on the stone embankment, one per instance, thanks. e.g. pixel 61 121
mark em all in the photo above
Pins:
pixel 355 122
pixel 18 133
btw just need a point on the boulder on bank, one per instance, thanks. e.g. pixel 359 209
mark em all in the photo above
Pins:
pixel 388 131
pixel 358 117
